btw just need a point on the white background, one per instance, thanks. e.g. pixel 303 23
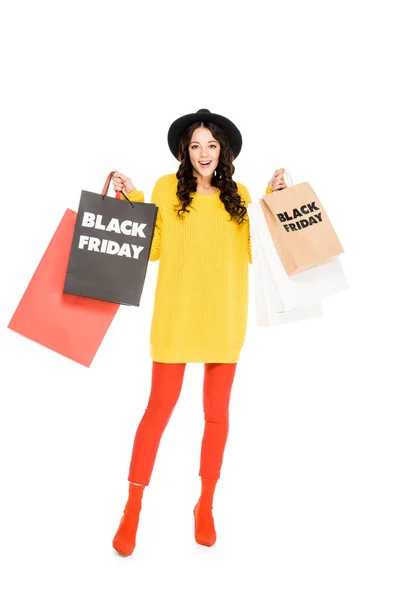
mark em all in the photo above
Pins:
pixel 308 502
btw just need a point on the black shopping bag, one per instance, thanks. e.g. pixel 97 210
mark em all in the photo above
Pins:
pixel 110 248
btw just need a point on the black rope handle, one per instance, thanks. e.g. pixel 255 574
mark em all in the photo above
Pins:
pixel 108 185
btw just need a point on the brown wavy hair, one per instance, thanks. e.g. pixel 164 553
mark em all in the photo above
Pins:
pixel 221 179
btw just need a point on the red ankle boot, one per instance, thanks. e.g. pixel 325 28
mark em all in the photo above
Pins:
pixel 125 539
pixel 204 529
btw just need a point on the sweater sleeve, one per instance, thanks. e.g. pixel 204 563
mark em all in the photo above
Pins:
pixel 244 192
pixel 137 196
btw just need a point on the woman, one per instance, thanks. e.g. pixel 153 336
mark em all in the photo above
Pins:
pixel 202 238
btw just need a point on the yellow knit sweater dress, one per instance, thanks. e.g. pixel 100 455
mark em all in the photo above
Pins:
pixel 201 297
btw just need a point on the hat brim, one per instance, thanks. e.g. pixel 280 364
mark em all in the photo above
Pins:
pixel 179 126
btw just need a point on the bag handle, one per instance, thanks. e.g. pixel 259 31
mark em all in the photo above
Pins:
pixel 288 179
pixel 118 194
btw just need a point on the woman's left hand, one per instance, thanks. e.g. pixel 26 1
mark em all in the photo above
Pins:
pixel 277 181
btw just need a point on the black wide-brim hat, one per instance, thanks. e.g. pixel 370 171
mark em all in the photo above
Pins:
pixel 179 126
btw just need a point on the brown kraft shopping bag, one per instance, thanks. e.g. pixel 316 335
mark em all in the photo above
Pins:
pixel 300 228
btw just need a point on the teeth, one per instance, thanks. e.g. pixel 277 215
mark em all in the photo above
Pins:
pixel 205 163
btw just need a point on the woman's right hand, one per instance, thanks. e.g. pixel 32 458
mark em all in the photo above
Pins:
pixel 277 181
pixel 122 183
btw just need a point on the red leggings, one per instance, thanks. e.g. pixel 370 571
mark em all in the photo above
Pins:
pixel 166 385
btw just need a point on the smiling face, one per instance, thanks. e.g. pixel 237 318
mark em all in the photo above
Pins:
pixel 204 148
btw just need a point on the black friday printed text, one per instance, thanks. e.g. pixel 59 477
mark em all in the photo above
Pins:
pixel 306 209
pixel 127 228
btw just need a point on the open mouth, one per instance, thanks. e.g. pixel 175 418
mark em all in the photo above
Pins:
pixel 205 164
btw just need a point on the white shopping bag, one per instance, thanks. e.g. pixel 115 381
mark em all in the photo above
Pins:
pixel 269 307
pixel 302 289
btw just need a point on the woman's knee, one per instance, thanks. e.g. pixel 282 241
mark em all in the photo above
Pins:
pixel 158 414
pixel 217 412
